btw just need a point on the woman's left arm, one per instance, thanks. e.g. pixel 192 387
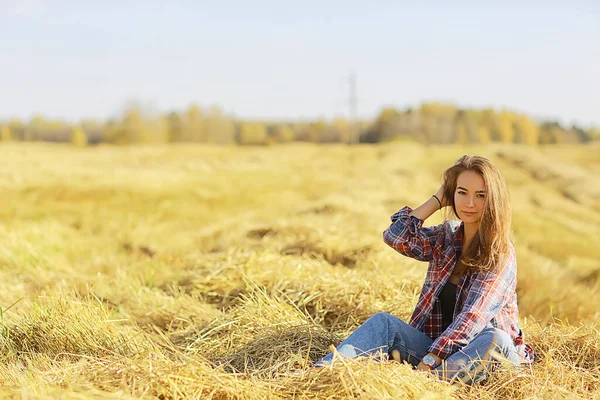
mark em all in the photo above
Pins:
pixel 484 301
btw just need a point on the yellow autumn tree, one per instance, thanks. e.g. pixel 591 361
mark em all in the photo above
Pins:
pixel 460 129
pixel 382 129
pixel 483 134
pixel 156 130
pixel 32 131
pixel 505 127
pixel 487 119
pixel 194 125
pixel 340 131
pixel 283 133
pixel 527 131
pixel 5 133
pixel 594 134
pixel 317 130
pixel 132 127
pixel 438 122
pixel 219 128
pixel 253 133
pixel 301 131
pixel 551 133
pixel 175 127
pixel 78 137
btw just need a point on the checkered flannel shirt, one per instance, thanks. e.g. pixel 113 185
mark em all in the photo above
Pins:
pixel 484 299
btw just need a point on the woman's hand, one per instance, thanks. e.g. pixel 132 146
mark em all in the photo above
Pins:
pixel 422 367
pixel 440 195
pixel 426 209
pixel 432 205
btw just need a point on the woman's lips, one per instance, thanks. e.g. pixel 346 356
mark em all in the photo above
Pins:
pixel 469 214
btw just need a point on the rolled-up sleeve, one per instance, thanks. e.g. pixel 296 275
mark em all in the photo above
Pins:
pixel 484 301
pixel 407 236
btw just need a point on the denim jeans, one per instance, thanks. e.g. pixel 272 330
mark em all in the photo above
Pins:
pixel 383 332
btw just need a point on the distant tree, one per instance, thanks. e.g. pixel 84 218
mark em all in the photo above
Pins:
pixel 175 127
pixel 431 122
pixel 219 128
pixel 301 131
pixel 594 134
pixel 131 129
pixel 95 131
pixel 194 125
pixel 337 132
pixel 460 128
pixel 551 132
pixel 15 123
pixel 156 130
pixel 471 120
pixel 438 122
pixel 227 129
pixel 283 133
pixel 17 129
pixel 252 133
pixel 383 128
pixel 32 130
pixel 505 127
pixel 580 134
pixel 568 136
pixel 111 129
pixel 5 133
pixel 360 129
pixel 317 131
pixel 483 134
pixel 29 134
pixel 78 137
pixel 132 126
pixel 488 119
pixel 526 131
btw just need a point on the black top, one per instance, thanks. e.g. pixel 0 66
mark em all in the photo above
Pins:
pixel 447 299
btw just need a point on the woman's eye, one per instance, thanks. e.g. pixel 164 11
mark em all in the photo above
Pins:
pixel 481 196
pixel 461 192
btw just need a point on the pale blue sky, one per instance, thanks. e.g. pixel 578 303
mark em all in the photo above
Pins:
pixel 278 59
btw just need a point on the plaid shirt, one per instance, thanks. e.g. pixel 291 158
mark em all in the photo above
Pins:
pixel 483 299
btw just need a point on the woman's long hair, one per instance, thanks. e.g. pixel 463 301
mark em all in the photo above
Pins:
pixel 491 243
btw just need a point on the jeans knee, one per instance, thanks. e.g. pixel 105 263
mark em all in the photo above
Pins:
pixel 501 341
pixel 381 321
pixel 381 316
pixel 501 337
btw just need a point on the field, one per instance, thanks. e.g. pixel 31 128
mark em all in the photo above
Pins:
pixel 223 272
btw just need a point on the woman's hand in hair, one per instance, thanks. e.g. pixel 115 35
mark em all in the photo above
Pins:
pixel 426 209
pixel 440 195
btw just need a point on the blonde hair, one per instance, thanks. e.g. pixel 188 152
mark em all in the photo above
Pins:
pixel 492 241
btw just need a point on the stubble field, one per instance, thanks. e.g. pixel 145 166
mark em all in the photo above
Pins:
pixel 224 272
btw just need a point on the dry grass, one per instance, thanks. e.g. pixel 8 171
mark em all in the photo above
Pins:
pixel 218 273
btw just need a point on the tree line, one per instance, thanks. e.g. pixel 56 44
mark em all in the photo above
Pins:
pixel 430 123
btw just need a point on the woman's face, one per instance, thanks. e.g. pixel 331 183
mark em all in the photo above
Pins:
pixel 469 197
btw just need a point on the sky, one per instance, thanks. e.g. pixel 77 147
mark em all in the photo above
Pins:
pixel 74 59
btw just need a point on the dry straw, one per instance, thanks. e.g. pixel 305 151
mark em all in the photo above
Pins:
pixel 218 273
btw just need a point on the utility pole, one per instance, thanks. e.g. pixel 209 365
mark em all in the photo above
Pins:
pixel 353 104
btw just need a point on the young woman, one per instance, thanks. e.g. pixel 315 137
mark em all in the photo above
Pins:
pixel 466 318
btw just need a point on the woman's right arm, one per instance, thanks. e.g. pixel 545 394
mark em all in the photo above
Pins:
pixel 426 209
pixel 406 234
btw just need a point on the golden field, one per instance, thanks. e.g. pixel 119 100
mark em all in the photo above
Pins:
pixel 223 272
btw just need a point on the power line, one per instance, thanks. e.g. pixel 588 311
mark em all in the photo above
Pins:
pixel 353 112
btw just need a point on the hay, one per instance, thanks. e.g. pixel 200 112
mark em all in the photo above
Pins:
pixel 224 273
pixel 279 351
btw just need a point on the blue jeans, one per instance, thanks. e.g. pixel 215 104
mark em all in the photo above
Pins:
pixel 383 332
